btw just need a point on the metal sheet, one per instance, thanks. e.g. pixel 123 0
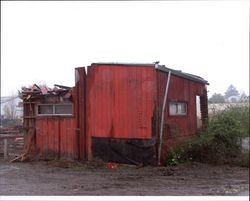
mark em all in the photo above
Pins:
pixel 120 101
pixel 80 111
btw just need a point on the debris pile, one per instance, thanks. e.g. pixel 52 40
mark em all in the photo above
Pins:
pixel 11 130
pixel 38 94
pixel 11 141
pixel 36 91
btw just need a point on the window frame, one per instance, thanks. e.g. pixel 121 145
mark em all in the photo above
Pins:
pixel 54 109
pixel 176 105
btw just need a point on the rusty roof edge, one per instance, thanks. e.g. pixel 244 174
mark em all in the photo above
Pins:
pixel 181 74
pixel 124 64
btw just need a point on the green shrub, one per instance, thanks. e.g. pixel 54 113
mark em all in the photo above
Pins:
pixel 220 143
pixel 173 158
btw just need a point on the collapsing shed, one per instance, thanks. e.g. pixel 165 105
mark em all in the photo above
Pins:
pixel 129 113
pixel 52 120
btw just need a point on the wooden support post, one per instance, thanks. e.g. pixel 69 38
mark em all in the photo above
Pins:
pixel 5 149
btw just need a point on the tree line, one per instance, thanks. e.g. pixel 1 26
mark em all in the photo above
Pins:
pixel 231 95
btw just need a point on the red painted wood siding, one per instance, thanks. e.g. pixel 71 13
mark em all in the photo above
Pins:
pixel 56 137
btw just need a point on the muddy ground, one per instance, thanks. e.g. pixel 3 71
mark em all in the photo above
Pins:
pixel 67 178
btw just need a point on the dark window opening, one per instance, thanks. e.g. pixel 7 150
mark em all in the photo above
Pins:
pixel 45 109
pixel 63 109
pixel 54 109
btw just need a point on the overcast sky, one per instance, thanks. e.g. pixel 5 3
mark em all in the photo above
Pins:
pixel 42 42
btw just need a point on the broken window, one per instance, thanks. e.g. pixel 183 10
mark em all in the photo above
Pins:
pixel 177 108
pixel 54 109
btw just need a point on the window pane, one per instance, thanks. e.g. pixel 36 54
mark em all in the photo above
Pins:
pixel 45 109
pixel 182 109
pixel 63 109
pixel 172 108
pixel 177 108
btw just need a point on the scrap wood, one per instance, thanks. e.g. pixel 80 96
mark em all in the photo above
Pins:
pixel 23 157
pixel 11 130
pixel 27 146
pixel 31 92
pixel 67 95
pixel 35 91
pixel 18 139
pixel 30 136
pixel 61 86
pixel 28 97
pixel 44 90
pixel 35 87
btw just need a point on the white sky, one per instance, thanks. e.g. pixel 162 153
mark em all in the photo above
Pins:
pixel 42 42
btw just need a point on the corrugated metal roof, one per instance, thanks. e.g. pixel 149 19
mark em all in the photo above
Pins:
pixel 182 74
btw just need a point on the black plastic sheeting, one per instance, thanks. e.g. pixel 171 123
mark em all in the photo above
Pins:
pixel 124 151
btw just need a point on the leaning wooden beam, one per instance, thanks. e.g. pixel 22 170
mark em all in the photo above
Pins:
pixel 61 86
pixel 22 157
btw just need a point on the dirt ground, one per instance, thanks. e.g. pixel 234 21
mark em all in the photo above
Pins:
pixel 74 178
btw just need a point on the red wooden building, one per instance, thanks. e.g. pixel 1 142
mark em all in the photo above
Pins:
pixel 129 113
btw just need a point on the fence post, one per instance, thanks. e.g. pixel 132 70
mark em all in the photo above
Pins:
pixel 5 149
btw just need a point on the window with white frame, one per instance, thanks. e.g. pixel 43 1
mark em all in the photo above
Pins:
pixel 177 108
pixel 54 109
